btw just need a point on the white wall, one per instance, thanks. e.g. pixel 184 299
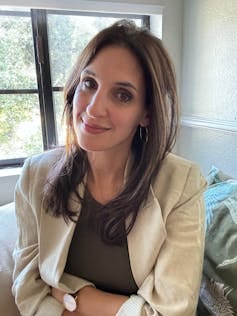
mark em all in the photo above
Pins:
pixel 209 84
pixel 173 33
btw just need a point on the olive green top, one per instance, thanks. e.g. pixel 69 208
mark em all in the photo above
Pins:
pixel 107 266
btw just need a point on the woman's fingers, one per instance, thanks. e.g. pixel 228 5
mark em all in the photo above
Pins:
pixel 58 294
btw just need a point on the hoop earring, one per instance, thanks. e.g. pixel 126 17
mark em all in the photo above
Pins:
pixel 143 132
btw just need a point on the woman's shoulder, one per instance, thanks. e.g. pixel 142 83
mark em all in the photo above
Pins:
pixel 178 176
pixel 37 167
pixel 46 159
pixel 173 160
pixel 49 155
pixel 177 166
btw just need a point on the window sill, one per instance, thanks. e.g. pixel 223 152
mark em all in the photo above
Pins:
pixel 10 172
pixel 8 179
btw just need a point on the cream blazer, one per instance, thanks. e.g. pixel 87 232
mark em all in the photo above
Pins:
pixel 165 246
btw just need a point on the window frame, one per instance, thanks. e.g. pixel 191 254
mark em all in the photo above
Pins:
pixel 43 71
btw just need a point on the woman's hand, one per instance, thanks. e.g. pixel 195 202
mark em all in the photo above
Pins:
pixel 58 294
pixel 91 301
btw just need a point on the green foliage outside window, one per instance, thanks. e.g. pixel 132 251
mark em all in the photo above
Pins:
pixel 20 132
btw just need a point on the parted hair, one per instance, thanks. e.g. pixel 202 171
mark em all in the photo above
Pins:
pixel 116 219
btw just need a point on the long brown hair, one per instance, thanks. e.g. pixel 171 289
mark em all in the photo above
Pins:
pixel 162 104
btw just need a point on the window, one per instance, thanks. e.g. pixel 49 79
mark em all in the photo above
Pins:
pixel 37 51
pixel 20 130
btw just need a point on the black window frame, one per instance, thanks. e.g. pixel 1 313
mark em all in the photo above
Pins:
pixel 43 72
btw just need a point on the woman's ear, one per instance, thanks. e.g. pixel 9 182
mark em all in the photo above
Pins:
pixel 145 120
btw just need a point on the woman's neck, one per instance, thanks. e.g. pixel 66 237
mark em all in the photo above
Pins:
pixel 106 175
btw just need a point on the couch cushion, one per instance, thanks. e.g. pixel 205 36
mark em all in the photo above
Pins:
pixel 8 233
pixel 219 284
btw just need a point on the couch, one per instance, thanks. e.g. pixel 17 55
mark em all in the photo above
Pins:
pixel 8 233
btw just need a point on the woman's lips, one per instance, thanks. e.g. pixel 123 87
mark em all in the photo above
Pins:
pixel 93 129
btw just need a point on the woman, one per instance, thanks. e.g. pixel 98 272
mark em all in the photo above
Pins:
pixel 112 224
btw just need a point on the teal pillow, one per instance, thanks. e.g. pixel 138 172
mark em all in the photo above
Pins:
pixel 219 284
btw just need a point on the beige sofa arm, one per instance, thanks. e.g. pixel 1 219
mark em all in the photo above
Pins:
pixel 8 233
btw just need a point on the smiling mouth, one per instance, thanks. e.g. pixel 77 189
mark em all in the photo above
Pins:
pixel 93 129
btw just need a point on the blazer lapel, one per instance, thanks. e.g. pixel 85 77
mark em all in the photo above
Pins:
pixel 146 238
pixel 55 236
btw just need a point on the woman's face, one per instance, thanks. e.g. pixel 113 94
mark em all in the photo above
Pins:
pixel 108 104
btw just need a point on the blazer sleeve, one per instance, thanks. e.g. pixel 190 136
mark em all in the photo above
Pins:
pixel 172 287
pixel 32 294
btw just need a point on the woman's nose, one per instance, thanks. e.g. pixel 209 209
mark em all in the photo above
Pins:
pixel 97 105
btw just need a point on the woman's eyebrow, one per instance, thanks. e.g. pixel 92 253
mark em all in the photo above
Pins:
pixel 125 84
pixel 88 72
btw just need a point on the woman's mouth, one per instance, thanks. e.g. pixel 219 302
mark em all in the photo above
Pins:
pixel 93 128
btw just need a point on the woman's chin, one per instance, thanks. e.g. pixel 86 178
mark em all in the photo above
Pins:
pixel 91 147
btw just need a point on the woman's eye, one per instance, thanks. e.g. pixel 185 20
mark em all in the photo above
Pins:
pixel 89 83
pixel 124 96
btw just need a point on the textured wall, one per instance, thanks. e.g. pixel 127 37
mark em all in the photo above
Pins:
pixel 209 83
pixel 172 34
pixel 210 147
pixel 210 59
